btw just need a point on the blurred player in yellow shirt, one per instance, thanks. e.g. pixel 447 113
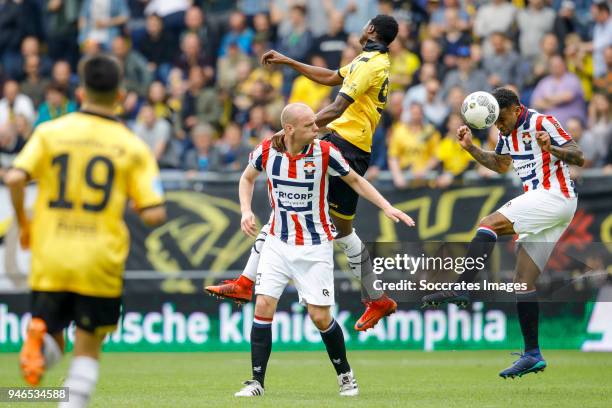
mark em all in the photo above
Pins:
pixel 87 166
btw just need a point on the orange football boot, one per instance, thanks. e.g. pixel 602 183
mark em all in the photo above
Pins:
pixel 239 290
pixel 31 357
pixel 375 310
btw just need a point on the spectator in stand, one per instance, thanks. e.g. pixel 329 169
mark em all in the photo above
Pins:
pixel 412 146
pixel 154 131
pixel 296 45
pixel 599 133
pixel 453 158
pixel 454 38
pixel 257 128
pixel 264 32
pixel 34 84
pixel 309 92
pixel 403 66
pixel 239 34
pixel 465 75
pixel 229 66
pixel 15 103
pixel 331 44
pixel 159 47
pixel 602 36
pixel 232 150
pixel 62 19
pixel 30 46
pixel 357 14
pixel 200 104
pixel 135 71
pixel 196 22
pixel 503 65
pixel 533 22
pixel 560 93
pixel 492 17
pixel 56 104
pixel 100 21
pixel 61 74
pixel 12 31
pixel 417 93
pixel 12 140
pixel 440 15
pixel 192 55
pixel 157 98
pixel 434 108
pixel 604 84
pixel 431 53
pixel 172 12
pixel 541 63
pixel 566 22
pixel 579 62
pixel 203 155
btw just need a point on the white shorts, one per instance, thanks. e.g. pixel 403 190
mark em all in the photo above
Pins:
pixel 539 217
pixel 310 266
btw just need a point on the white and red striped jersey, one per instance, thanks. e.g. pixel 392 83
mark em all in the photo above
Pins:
pixel 297 188
pixel 536 168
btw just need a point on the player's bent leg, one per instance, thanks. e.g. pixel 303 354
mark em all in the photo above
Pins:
pixel 84 369
pixel 261 345
pixel 531 361
pixel 481 246
pixel 333 337
pixel 378 304
pixel 240 290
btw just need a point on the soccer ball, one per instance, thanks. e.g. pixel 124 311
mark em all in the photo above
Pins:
pixel 480 110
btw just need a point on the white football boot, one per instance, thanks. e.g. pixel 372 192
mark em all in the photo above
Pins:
pixel 348 385
pixel 252 388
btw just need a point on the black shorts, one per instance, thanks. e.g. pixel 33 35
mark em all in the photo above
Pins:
pixel 342 198
pixel 92 314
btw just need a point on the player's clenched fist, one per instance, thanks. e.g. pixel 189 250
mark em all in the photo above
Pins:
pixel 247 223
pixel 398 215
pixel 464 136
pixel 543 139
pixel 273 57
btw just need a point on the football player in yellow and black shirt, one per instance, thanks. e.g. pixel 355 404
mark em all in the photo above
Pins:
pixel 87 165
pixel 351 120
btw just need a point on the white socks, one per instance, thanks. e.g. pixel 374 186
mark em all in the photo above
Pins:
pixel 360 264
pixel 352 247
pixel 250 270
pixel 81 381
pixel 51 351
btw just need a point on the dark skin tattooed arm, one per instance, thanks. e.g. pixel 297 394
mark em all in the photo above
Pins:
pixel 570 152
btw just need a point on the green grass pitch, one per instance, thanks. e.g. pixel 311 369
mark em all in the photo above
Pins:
pixel 306 379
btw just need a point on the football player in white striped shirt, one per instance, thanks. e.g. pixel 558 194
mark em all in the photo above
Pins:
pixel 540 151
pixel 299 244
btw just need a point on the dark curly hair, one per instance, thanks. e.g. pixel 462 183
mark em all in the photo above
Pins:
pixel 506 98
pixel 385 27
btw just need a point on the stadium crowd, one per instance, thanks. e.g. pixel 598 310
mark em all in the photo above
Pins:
pixel 198 96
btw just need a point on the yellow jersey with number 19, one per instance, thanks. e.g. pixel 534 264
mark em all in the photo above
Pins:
pixel 87 166
pixel 365 84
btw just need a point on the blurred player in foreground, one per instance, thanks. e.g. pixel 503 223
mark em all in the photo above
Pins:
pixel 87 166
pixel 351 120
pixel 540 151
pixel 300 250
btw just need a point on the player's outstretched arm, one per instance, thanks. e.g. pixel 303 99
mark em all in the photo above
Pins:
pixel 497 162
pixel 320 75
pixel 570 152
pixel 367 191
pixel 16 180
pixel 245 192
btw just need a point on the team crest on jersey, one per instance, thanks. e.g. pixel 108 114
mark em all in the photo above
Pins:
pixel 309 169
pixel 527 140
